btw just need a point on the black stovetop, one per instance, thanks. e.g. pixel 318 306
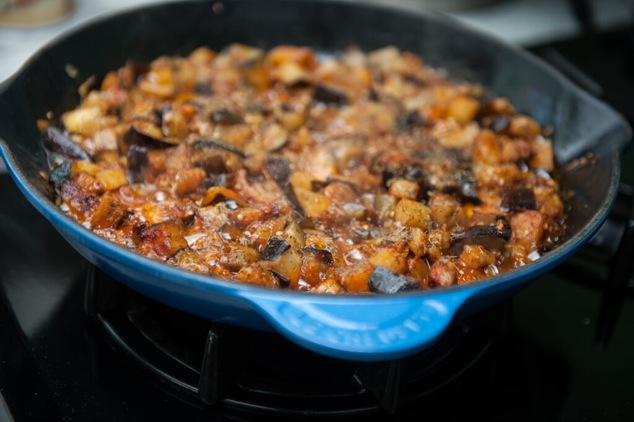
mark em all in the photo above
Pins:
pixel 565 351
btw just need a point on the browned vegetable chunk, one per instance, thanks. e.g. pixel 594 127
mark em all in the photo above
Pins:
pixel 163 239
pixel 108 214
pixel 528 229
pixel 353 173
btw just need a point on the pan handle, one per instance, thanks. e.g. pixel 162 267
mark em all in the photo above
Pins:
pixel 370 329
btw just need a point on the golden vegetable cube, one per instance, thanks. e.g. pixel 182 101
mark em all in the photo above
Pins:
pixel 312 203
pixel 403 188
pixel 112 179
pixel 463 109
pixel 413 214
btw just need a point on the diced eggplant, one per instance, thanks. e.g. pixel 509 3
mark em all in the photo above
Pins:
pixel 238 257
pixel 275 248
pixel 309 203
pixel 226 117
pixel 492 237
pixel 329 95
pixel 408 121
pixel 463 185
pixel 281 279
pixel 280 170
pixel 203 88
pixel 318 185
pixel 58 144
pixel 137 163
pixel 384 281
pixel 218 194
pixel 322 255
pixel 109 214
pixel 159 113
pixel 213 160
pixel 189 220
pixel 373 95
pixel 60 174
pixel 468 192
pixel 164 239
pixel 518 199
pixel 287 260
pixel 216 143
pixel 316 265
pixel 212 164
pixel 143 132
pixel 295 235
pixel 408 171
pixel 383 204
pixel 188 180
pixel 495 106
pixel 498 123
pixel 215 180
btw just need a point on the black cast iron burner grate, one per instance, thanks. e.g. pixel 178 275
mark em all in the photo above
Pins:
pixel 236 369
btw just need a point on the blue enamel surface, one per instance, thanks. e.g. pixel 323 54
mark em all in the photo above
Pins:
pixel 364 328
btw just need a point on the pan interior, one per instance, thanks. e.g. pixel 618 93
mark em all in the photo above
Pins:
pixel 47 86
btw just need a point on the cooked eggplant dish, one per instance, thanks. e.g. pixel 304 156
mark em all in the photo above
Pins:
pixel 352 173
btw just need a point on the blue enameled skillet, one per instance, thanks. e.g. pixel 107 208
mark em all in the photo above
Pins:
pixel 347 326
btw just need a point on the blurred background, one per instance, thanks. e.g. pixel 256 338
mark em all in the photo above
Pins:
pixel 26 25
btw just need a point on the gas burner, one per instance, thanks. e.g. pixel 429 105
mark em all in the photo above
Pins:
pixel 241 370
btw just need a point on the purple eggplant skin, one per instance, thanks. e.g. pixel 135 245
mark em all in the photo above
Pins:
pixel 275 248
pixel 57 143
pixel 280 170
pixel 492 237
pixel 384 281
pixel 60 174
pixel 497 123
pixel 226 117
pixel 137 162
pixel 408 121
pixel 212 164
pixel 135 136
pixel 203 88
pixel 329 95
pixel 468 192
pixel 321 254
pixel 219 144
pixel 518 199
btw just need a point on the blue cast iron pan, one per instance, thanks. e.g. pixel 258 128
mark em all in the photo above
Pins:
pixel 348 327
